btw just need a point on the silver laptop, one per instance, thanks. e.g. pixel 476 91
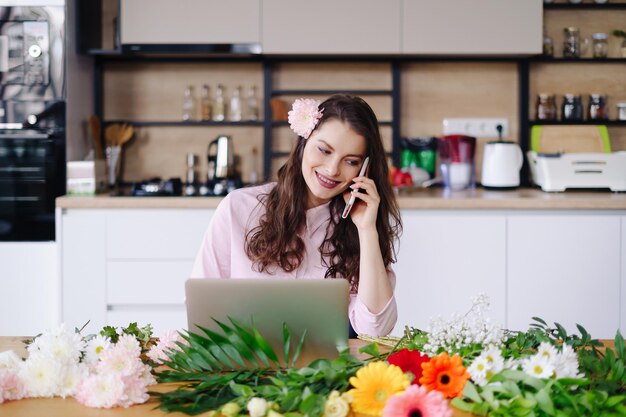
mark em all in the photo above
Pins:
pixel 319 306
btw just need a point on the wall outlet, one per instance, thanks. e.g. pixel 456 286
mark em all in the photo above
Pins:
pixel 480 128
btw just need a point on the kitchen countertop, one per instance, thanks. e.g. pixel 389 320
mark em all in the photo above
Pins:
pixel 428 199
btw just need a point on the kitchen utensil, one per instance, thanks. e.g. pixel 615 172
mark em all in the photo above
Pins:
pixel 221 158
pixel 456 161
pixel 113 163
pixel 94 130
pixel 118 134
pixel 502 162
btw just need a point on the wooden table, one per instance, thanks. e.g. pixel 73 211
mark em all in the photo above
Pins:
pixel 59 407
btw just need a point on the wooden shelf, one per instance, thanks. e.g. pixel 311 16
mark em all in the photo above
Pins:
pixel 331 92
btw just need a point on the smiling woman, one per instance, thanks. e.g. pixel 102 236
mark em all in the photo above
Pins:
pixel 293 228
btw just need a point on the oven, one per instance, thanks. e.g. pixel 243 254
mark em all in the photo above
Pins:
pixel 32 120
pixel 32 175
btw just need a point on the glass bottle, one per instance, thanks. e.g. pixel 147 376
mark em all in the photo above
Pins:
pixel 572 46
pixel 572 107
pixel 189 104
pixel 235 105
pixel 219 108
pixel 548 46
pixel 205 103
pixel 600 45
pixel 546 106
pixel 252 104
pixel 598 107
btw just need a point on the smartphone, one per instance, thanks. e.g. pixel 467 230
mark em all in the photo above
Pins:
pixel 346 211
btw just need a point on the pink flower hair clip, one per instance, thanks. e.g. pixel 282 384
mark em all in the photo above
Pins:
pixel 304 115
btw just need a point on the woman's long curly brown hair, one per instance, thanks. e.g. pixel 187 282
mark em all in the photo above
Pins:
pixel 275 241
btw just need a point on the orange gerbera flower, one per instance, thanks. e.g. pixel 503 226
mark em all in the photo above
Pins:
pixel 444 374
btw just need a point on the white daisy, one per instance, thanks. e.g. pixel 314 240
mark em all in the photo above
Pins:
pixel 547 350
pixel 566 363
pixel 95 347
pixel 478 370
pixel 538 366
pixel 494 358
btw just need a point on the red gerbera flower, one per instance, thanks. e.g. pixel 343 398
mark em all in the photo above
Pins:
pixel 410 361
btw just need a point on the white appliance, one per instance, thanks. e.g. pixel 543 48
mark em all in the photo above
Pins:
pixel 502 162
pixel 557 172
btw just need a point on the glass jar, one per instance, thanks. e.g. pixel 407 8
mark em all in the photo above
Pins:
pixel 572 45
pixel 598 109
pixel 600 45
pixel 546 106
pixel 548 46
pixel 572 107
pixel 623 48
pixel 621 111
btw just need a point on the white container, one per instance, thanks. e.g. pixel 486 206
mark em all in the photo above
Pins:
pixel 557 172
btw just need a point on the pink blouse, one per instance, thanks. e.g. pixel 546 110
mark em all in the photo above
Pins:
pixel 222 254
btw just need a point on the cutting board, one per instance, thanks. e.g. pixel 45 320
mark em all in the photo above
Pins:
pixel 570 139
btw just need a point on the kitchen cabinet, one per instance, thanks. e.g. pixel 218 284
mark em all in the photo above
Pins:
pixel 479 27
pixel 565 267
pixel 192 22
pixel 120 266
pixel 29 287
pixel 623 278
pixel 446 258
pixel 330 27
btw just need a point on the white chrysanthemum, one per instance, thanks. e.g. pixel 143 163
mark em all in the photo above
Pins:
pixel 41 376
pixel 68 382
pixel 59 344
pixel 95 347
pixel 336 406
pixel 566 363
pixel 538 366
pixel 547 350
pixel 257 407
pixel 478 370
pixel 9 360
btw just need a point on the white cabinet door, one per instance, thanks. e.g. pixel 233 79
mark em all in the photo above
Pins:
pixel 29 287
pixel 189 22
pixel 445 259
pixel 83 271
pixel 564 268
pixel 481 27
pixel 330 27
pixel 120 266
pixel 623 286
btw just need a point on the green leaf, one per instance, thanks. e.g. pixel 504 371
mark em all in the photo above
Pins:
pixel 296 354
pixel 371 349
pixel 462 404
pixel 619 345
pixel 470 392
pixel 286 343
pixel 313 405
pixel 265 346
pixel 238 342
pixel 250 341
pixel 615 400
pixel 241 390
pixel 291 401
pixel 544 401
pixel 540 320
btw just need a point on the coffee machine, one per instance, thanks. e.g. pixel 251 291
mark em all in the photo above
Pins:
pixel 222 175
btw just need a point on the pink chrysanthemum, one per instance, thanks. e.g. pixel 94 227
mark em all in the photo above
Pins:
pixel 304 115
pixel 167 342
pixel 417 401
pixel 11 386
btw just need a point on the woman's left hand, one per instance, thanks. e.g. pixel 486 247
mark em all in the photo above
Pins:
pixel 365 209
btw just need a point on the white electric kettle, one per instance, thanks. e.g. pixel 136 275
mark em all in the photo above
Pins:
pixel 502 163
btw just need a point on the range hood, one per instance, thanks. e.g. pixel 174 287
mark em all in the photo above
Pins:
pixel 190 26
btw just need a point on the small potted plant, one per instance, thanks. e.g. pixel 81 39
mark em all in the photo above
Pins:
pixel 621 34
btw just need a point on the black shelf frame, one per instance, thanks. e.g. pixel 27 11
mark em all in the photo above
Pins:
pixel 618 123
pixel 185 123
pixel 550 60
